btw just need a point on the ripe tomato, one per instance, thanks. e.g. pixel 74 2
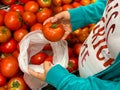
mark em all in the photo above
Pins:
pixel 3 80
pixel 31 6
pixel 57 2
pixel 70 52
pixel 38 58
pixel 43 14
pixel 3 12
pixel 9 66
pixel 57 9
pixel 49 58
pixel 76 4
pixel 23 1
pixel 1 19
pixel 67 1
pixel 8 2
pixel 29 18
pixel 47 47
pixel 44 3
pixel 13 20
pixel 53 32
pixel 36 26
pixel 67 7
pixel 16 53
pixel 19 34
pixel 76 48
pixel 85 2
pixel 17 83
pixel 17 7
pixel 72 64
pixel 5 34
pixel 9 46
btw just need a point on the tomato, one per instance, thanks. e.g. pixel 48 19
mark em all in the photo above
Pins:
pixel 8 2
pixel 5 34
pixel 47 47
pixel 3 80
pixel 67 7
pixel 36 26
pixel 85 2
pixel 57 9
pixel 43 14
pixel 1 19
pixel 38 58
pixel 53 32
pixel 9 66
pixel 76 4
pixel 19 34
pixel 13 20
pixel 29 18
pixel 70 52
pixel 17 83
pixel 57 2
pixel 16 53
pixel 31 6
pixel 72 64
pixel 17 7
pixel 44 3
pixel 9 46
pixel 23 1
pixel 66 1
pixel 49 58
pixel 76 48
pixel 3 12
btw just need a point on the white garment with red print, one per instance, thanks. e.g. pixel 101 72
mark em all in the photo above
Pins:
pixel 103 44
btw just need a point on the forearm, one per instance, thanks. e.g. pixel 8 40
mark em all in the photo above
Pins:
pixel 63 80
pixel 85 15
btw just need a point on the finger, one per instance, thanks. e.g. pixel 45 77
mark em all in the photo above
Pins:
pixel 38 75
pixel 47 66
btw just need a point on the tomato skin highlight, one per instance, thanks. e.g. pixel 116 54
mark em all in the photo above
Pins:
pixel 53 32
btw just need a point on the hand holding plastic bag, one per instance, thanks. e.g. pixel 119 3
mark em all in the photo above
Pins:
pixel 33 43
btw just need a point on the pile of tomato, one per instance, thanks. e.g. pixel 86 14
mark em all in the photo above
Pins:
pixel 18 18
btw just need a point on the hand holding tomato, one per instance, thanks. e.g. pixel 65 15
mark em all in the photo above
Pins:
pixel 61 18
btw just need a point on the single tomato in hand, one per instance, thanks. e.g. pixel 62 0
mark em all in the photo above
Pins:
pixel 53 31
pixel 9 66
pixel 38 58
pixel 17 83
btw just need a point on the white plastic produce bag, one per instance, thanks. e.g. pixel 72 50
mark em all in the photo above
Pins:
pixel 33 43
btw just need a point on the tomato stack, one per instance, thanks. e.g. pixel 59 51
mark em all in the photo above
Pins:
pixel 18 18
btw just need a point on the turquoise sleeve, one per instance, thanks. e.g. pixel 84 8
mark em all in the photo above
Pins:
pixel 60 78
pixel 85 15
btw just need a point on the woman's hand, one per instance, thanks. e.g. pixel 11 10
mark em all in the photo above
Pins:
pixel 64 19
pixel 42 76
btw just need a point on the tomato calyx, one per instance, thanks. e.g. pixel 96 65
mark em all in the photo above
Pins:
pixel 15 84
pixel 4 31
pixel 54 25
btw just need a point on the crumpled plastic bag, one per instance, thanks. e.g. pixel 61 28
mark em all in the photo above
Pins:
pixel 33 43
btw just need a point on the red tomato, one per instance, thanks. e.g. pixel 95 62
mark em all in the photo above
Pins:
pixel 76 4
pixel 5 34
pixel 31 6
pixel 17 83
pixel 49 58
pixel 23 1
pixel 43 14
pixel 76 48
pixel 66 1
pixel 8 2
pixel 17 7
pixel 57 2
pixel 36 26
pixel 29 18
pixel 67 7
pixel 1 19
pixel 3 80
pixel 13 20
pixel 9 46
pixel 72 64
pixel 9 66
pixel 85 2
pixel 53 32
pixel 15 53
pixel 44 3
pixel 38 58
pixel 19 34
pixel 70 52
pixel 3 12
pixel 57 9
pixel 47 47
